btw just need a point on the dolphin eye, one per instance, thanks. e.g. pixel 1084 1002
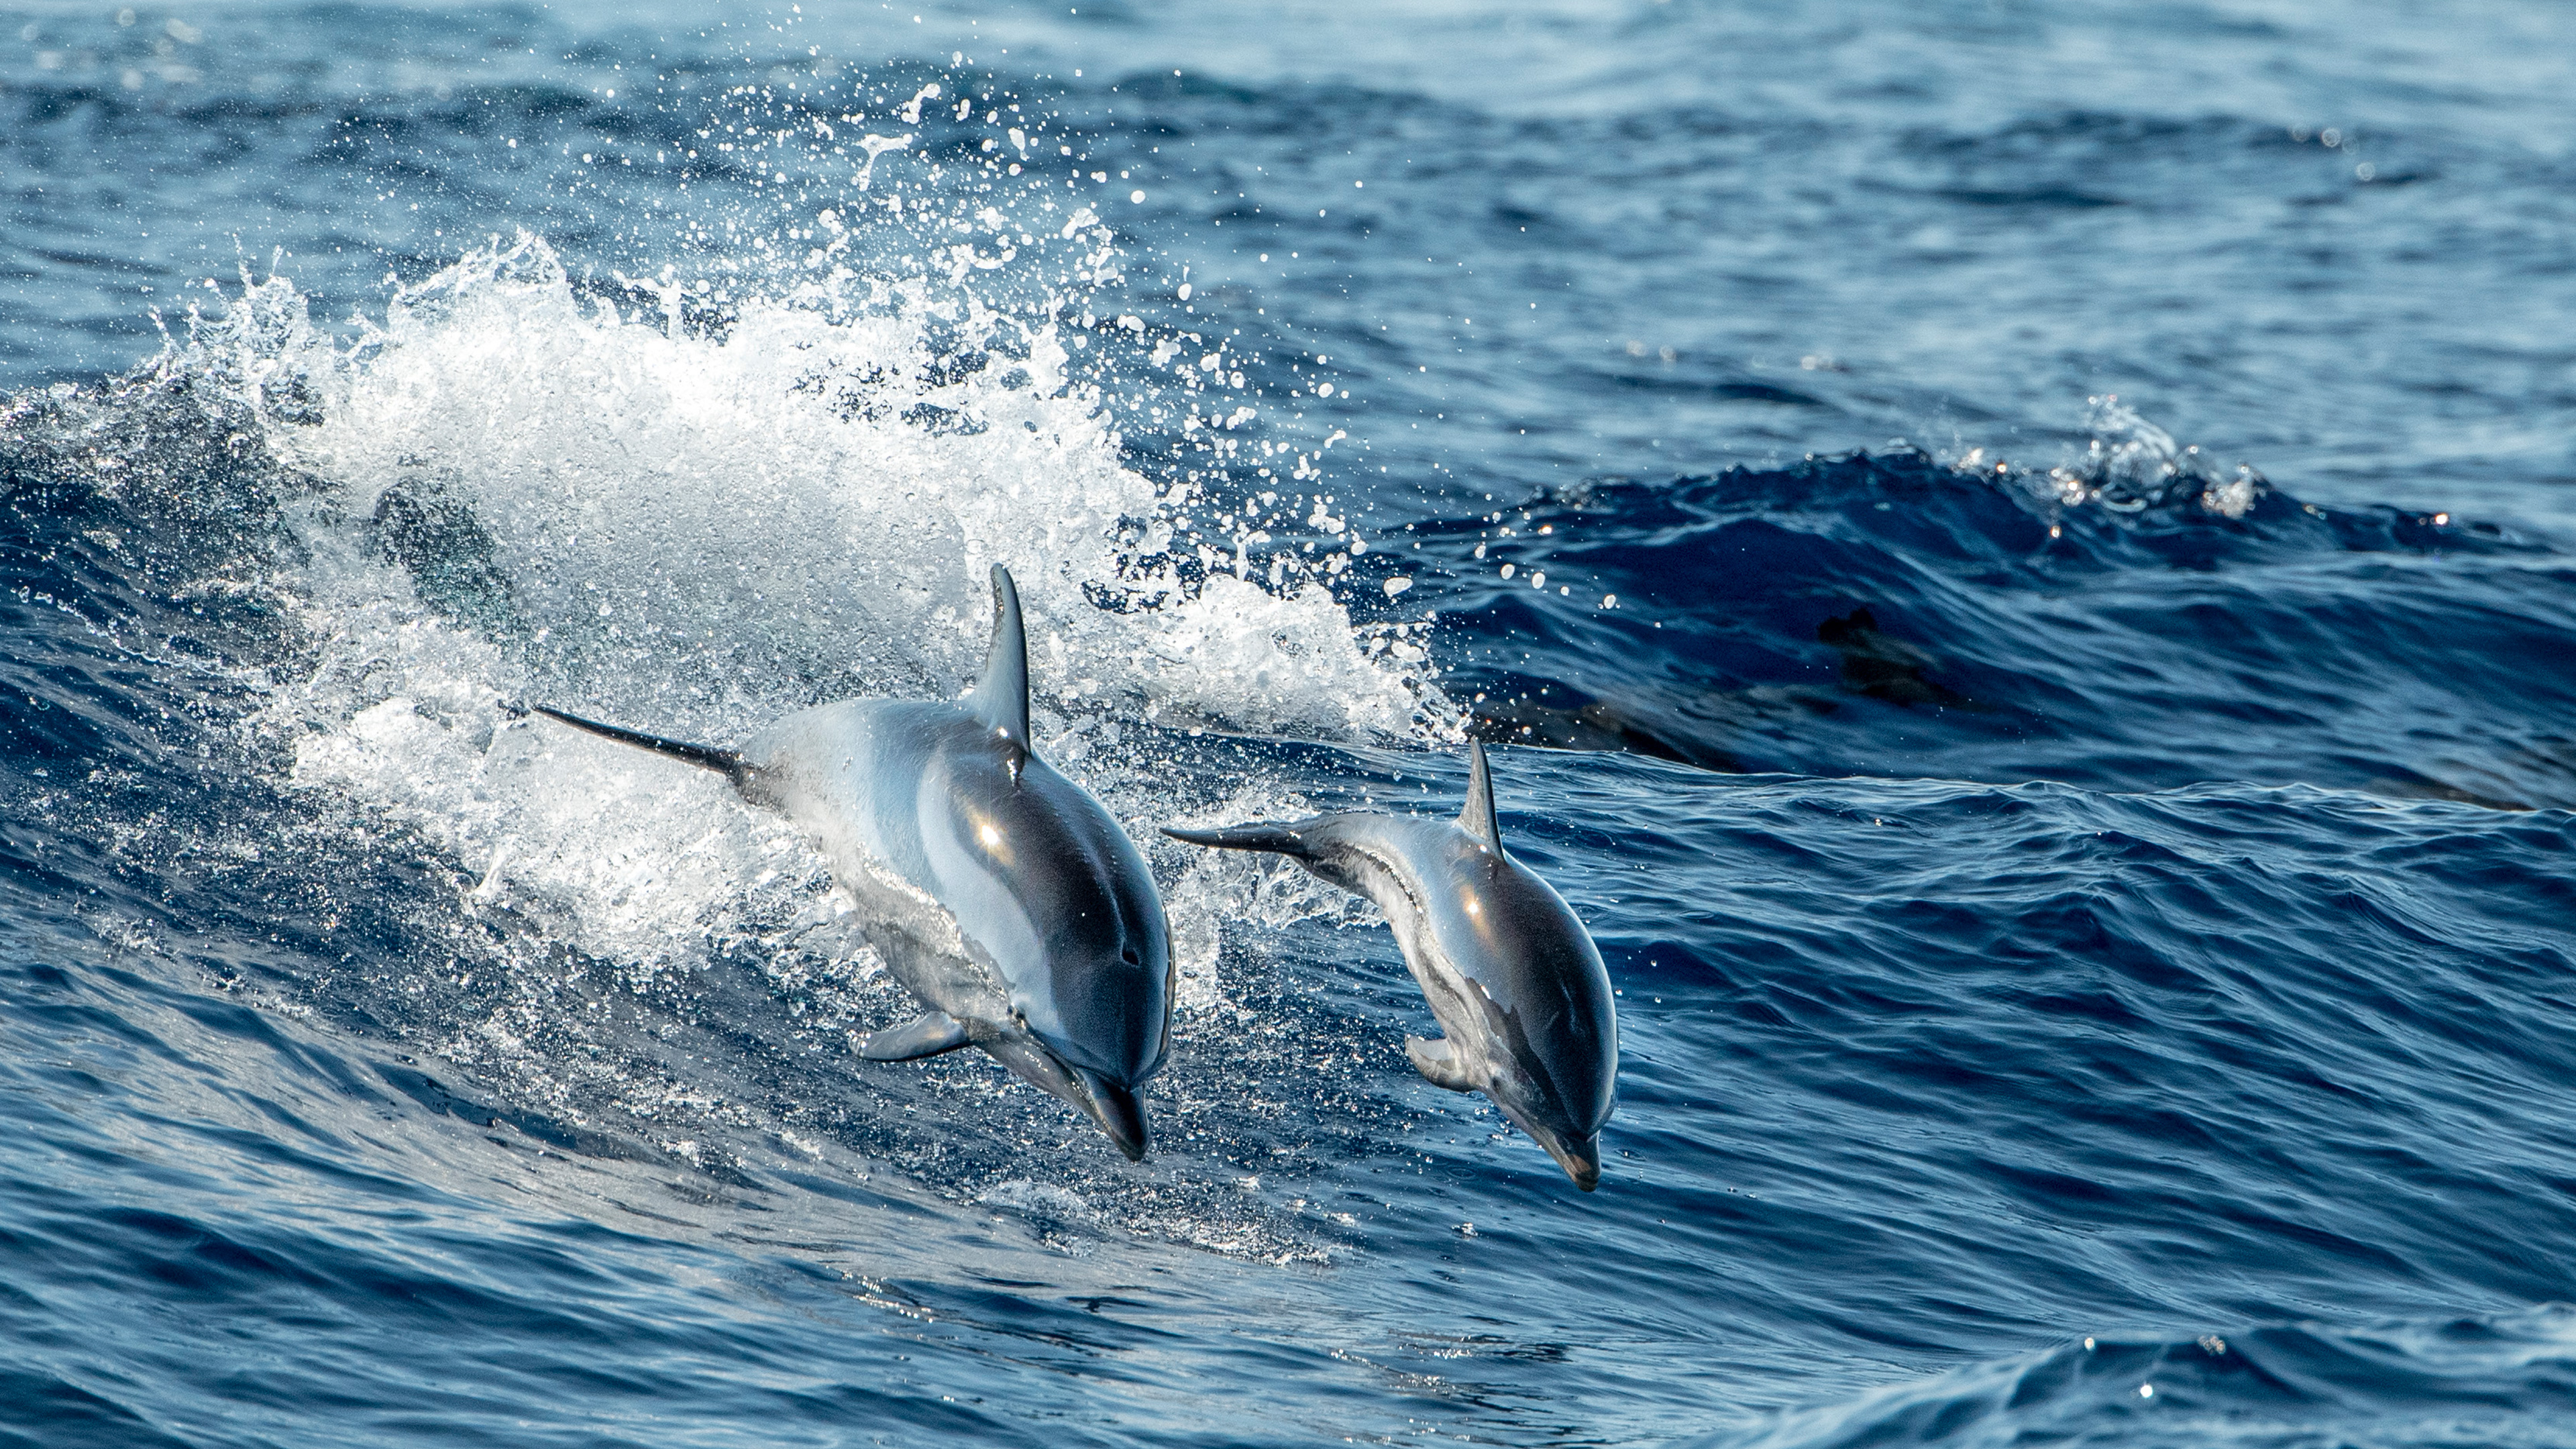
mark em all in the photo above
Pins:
pixel 1129 956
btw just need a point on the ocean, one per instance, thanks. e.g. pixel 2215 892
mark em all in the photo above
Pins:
pixel 2016 562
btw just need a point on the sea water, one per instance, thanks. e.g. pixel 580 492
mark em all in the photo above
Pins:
pixel 2014 559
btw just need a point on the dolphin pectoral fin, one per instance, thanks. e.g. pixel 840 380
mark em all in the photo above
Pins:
pixel 1438 1063
pixel 1278 839
pixel 925 1036
pixel 1001 700
pixel 705 757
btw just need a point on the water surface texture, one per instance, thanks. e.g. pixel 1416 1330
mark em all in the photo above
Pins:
pixel 2018 563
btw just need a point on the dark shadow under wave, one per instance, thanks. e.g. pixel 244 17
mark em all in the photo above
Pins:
pixel 2120 625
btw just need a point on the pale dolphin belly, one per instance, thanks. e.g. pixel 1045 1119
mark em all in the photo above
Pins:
pixel 957 846
pixel 869 781
pixel 1379 856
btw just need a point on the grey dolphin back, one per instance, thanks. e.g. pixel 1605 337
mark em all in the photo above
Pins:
pixel 1001 698
pixel 727 763
pixel 1477 819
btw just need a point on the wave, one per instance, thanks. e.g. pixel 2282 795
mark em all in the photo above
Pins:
pixel 2134 618
pixel 2504 1379
pixel 290 597
pixel 505 493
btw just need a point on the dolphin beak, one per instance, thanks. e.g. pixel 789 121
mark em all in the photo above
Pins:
pixel 1581 1160
pixel 1117 1110
pixel 1579 1156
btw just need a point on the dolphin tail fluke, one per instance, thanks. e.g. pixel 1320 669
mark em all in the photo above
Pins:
pixel 1278 839
pixel 705 757
pixel 1119 1112
pixel 926 1036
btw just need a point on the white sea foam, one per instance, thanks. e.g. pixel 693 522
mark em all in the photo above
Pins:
pixel 695 534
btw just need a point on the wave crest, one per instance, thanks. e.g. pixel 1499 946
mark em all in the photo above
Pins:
pixel 515 489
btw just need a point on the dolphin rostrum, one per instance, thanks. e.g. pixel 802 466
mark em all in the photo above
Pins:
pixel 1511 974
pixel 998 891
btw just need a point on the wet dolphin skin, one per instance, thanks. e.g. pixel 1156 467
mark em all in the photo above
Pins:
pixel 1517 985
pixel 998 891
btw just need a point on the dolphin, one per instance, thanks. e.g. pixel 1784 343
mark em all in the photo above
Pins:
pixel 996 890
pixel 1507 968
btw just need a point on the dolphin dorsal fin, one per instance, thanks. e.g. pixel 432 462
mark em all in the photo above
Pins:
pixel 1001 701
pixel 1478 818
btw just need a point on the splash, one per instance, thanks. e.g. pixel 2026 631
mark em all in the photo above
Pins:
pixel 521 491
pixel 2130 465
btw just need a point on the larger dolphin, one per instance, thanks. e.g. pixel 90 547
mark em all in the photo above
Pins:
pixel 997 890
pixel 1508 969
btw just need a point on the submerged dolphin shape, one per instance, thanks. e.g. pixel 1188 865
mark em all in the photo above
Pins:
pixel 998 891
pixel 1511 974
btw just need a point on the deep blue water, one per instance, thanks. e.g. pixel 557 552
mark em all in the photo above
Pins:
pixel 2024 556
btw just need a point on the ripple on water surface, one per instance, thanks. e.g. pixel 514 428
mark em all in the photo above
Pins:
pixel 2090 911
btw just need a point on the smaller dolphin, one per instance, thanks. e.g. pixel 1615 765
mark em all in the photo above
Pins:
pixel 1511 974
pixel 998 891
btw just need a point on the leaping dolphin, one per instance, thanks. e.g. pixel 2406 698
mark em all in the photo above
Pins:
pixel 1508 969
pixel 998 891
